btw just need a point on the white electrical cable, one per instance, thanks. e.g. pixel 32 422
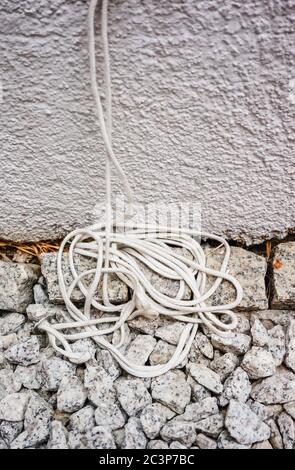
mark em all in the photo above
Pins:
pixel 116 249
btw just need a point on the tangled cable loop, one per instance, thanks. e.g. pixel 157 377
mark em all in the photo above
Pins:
pixel 155 250
pixel 117 249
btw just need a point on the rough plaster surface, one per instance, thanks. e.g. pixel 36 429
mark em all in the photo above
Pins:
pixel 202 112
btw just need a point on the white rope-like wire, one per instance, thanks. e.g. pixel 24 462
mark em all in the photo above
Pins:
pixel 117 249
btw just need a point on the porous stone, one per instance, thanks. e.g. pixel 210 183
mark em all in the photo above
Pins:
pixel 58 436
pixel 11 322
pixel 225 441
pixel 132 395
pixel 13 406
pixel 25 352
pixel 71 394
pixel 134 435
pixel 283 276
pixel 83 420
pixel 212 426
pixel 16 285
pixel 140 349
pixel 36 424
pixel 206 377
pixel 290 345
pixel 153 418
pixel 237 386
pixel 170 332
pixel 224 365
pixel 258 363
pixel 28 376
pixel 277 344
pixel 200 410
pixel 280 388
pixel 259 333
pixel 109 415
pixel 53 370
pixel 117 290
pixel 249 269
pixel 236 343
pixel 10 430
pixel 182 431
pixel 244 425
pixel 205 442
pixel 287 430
pixel 99 385
pixel 172 390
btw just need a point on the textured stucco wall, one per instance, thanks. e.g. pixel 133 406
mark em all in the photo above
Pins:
pixel 203 111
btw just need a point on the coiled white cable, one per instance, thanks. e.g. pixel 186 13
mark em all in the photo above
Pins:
pixel 116 248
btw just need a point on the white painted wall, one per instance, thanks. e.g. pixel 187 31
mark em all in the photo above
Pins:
pixel 202 111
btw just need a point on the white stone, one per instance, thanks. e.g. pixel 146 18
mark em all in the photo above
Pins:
pixel 157 444
pixel 58 436
pixel 162 353
pixel 29 376
pixel 153 417
pixel 8 384
pixel 16 285
pixel 275 437
pixel 290 408
pixel 13 406
pixel 290 345
pixel 144 325
pixel 283 276
pixel 204 345
pixel 244 425
pixel 140 349
pixel 134 435
pixel 200 410
pixel 262 445
pixel 237 386
pixel 249 269
pixel 53 370
pixel 109 415
pixel 132 395
pixel 258 363
pixel 10 430
pixel 280 388
pixel 108 362
pixel 99 385
pixel 212 426
pixel 170 332
pixel 276 344
pixel 36 424
pixel 236 343
pixel 206 377
pixel 83 420
pixel 71 394
pixel 172 390
pixel 177 445
pixel 182 431
pixel 10 323
pixel 99 437
pixel 117 290
pixel 25 352
pixel 287 429
pixel 205 442
pixel 225 441
pixel 224 365
pixel 259 333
